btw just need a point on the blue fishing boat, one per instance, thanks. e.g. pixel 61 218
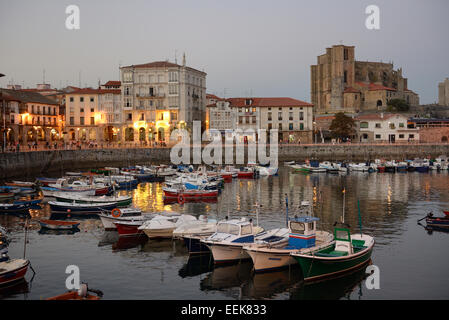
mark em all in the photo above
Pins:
pixel 14 208
pixel 80 208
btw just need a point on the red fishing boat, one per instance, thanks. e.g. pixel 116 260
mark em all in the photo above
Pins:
pixel 129 228
pixel 58 224
pixel 13 270
pixel 81 294
pixel 188 194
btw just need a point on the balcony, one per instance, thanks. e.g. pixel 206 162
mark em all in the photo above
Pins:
pixel 150 96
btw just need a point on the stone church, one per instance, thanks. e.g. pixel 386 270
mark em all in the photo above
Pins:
pixel 339 83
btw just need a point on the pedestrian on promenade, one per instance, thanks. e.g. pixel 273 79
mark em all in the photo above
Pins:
pixel 18 147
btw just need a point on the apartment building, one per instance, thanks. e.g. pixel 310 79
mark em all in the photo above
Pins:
pixel 159 97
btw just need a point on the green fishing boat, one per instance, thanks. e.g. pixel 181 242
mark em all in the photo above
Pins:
pixel 348 253
pixel 300 168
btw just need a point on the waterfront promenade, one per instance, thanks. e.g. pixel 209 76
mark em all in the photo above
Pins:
pixel 42 161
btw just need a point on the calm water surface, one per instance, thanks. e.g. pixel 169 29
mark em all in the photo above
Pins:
pixel 413 263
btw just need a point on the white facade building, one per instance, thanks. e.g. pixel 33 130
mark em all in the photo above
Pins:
pixel 159 97
pixel 385 128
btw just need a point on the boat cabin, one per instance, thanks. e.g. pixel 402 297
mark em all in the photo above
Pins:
pixel 242 229
pixel 302 232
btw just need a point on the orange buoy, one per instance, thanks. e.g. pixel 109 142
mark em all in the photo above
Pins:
pixel 116 213
pixel 181 199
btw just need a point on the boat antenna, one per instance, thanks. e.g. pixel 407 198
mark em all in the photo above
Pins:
pixel 257 213
pixel 286 209
pixel 360 217
pixel 26 233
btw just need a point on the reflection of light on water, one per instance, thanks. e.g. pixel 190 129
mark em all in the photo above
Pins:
pixel 315 198
pixel 389 193
pixel 427 190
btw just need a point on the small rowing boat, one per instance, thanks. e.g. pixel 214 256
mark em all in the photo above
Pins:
pixel 81 294
pixel 13 270
pixel 58 224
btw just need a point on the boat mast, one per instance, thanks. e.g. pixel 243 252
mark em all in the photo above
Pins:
pixel 25 241
pixel 286 209
pixel 343 216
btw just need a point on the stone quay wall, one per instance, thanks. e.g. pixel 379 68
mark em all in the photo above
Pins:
pixel 35 163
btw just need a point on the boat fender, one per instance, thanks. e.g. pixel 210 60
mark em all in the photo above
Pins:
pixel 82 291
pixel 116 213
pixel 181 199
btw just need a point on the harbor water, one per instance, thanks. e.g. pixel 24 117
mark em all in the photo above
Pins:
pixel 412 261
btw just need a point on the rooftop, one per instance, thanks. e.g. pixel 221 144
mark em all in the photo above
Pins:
pixel 268 102
pixel 26 96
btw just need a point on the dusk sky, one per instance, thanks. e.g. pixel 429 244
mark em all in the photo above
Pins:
pixel 258 48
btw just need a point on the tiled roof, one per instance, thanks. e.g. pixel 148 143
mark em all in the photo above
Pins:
pixel 27 96
pixel 95 91
pixel 212 96
pixel 374 87
pixel 268 102
pixel 113 83
pixel 351 90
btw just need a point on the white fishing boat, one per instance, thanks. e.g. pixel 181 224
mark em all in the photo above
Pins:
pixel 201 228
pixel 301 235
pixel 83 198
pixel 267 171
pixel 163 226
pixel 227 243
pixel 126 214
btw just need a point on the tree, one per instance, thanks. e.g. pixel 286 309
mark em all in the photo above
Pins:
pixel 397 105
pixel 342 126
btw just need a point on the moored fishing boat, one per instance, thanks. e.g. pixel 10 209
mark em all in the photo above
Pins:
pixel 124 214
pixel 13 270
pixel 80 208
pixel 182 194
pixel 14 208
pixel 81 294
pixel 129 228
pixel 120 201
pixel 300 234
pixel 227 242
pixel 349 252
pixel 163 226
pixel 438 222
pixel 58 224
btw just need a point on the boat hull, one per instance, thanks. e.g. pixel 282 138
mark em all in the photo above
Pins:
pixel 316 268
pixel 163 233
pixel 14 275
pixel 264 261
pixel 126 230
pixel 225 253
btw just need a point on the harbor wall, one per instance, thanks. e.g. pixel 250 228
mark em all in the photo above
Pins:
pixel 31 164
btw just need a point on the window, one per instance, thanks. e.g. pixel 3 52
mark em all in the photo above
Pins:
pixel 377 136
pixel 82 121
pixel 301 115
pixel 345 53
pixel 280 126
pixel 43 110
pixel 401 125
pixel 246 229
pixel 72 121
pixel 363 124
pixel 81 99
pixel 92 99
pixel 290 116
pixel 173 116
pixel 279 115
pixel 411 136
pixel 392 126
pixel 378 125
pixel 92 110
pixel 130 116
pixel 71 99
pixel 346 76
pixel 269 116
pixel 290 126
pixel 301 126
pixel 401 136
pixel 92 120
pixel 297 227
pixel 142 116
